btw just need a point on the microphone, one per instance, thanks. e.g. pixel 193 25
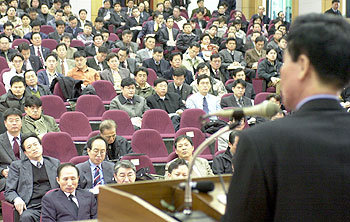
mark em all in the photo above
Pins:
pixel 264 109
pixel 201 186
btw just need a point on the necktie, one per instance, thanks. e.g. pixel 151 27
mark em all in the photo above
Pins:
pixel 34 90
pixel 74 205
pixel 97 176
pixel 16 147
pixel 62 67
pixel 205 105
pixel 124 64
pixel 40 56
pixel 216 73
pixel 39 165
pixel 178 90
pixel 240 103
pixel 156 28
pixel 25 65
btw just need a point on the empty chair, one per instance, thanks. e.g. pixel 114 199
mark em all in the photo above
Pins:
pixel 47 29
pixel 140 161
pixel 159 120
pixel 49 43
pixel 59 145
pixel 16 42
pixel 197 137
pixel 152 75
pixel 53 105
pixel 149 142
pixel 91 106
pixel 260 97
pixel 122 119
pixel 76 124
pixel 191 118
pixel 78 159
pixel 105 90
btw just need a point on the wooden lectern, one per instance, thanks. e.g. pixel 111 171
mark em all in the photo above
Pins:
pixel 140 201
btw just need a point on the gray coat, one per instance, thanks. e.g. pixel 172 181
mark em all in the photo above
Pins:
pixel 20 178
pixel 142 55
pixel 133 47
pixel 107 74
pixel 136 109
pixel 227 58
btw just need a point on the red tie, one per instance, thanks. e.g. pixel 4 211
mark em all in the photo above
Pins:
pixel 16 147
pixel 40 56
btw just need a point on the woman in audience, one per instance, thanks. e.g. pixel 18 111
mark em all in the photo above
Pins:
pixel 184 150
pixel 207 48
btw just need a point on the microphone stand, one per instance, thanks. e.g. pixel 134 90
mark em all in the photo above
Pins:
pixel 188 195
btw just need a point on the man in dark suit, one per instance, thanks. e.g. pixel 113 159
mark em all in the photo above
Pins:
pixel 30 61
pixel 127 36
pixel 175 59
pixel 98 62
pixel 58 33
pixel 167 36
pixel 5 50
pixel 9 149
pixel 237 99
pixel 46 76
pixel 68 203
pixel 118 146
pixel 296 168
pixel 8 32
pixel 335 8
pixel 240 74
pixel 178 85
pixel 151 27
pixel 32 85
pixel 134 23
pixel 29 179
pixel 185 38
pixel 92 49
pixel 126 62
pixel 157 63
pixel 36 48
pixel 73 28
pixel 95 171
pixel 230 56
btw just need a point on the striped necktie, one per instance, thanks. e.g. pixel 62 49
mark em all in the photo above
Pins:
pixel 97 176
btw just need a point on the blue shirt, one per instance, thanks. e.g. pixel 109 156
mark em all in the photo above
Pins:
pixel 196 102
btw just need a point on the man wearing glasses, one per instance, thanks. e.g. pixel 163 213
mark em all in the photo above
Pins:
pixel 95 171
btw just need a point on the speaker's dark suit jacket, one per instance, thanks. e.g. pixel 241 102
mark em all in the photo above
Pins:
pixel 20 179
pixel 160 70
pixel 186 90
pixel 57 207
pixel 172 102
pixel 295 168
pixel 230 101
pixel 91 62
pixel 7 156
pixel 86 178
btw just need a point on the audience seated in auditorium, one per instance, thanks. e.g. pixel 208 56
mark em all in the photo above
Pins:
pixel 223 163
pixel 252 56
pixel 81 71
pixel 29 179
pixel 72 27
pixel 152 26
pixel 231 58
pixel 32 85
pixel 118 146
pixel 92 49
pixel 134 23
pixel 191 59
pixel 11 17
pixel 25 27
pixel 30 61
pixel 98 62
pixel 167 36
pixel 125 61
pixel 16 70
pixel 68 203
pixel 9 32
pixel 63 63
pixel 35 121
pixel 237 99
pixel 147 52
pixel 184 150
pixel 216 70
pixel 118 18
pixel 36 48
pixel 95 171
pixel 82 18
pixel 15 96
pixel 157 62
pixel 143 89
pixel 10 143
pixel 184 39
pixel 86 36
pixel 114 73
pixel 126 41
pixel 46 76
pixel 124 172
pixel 178 85
pixel 240 74
pixel 178 169
pixel 133 104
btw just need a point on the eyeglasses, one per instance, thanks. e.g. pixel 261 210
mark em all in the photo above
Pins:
pixel 95 151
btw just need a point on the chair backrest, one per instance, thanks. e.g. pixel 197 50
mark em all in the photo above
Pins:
pixel 226 119
pixel 191 118
pixel 260 97
pixel 140 161
pixel 3 65
pixel 2 89
pixel 226 95
pixel 93 133
pixel 16 42
pixel 58 91
pixel 76 43
pixel 122 119
pixel 90 105
pixel 49 43
pixel 220 152
pixel 229 81
pixel 75 123
pixel 59 145
pixel 149 142
pixel 78 159
pixel 157 119
pixel 196 135
pixel 47 29
pixel 53 105
pixel 104 89
pixel 152 75
pixel 113 37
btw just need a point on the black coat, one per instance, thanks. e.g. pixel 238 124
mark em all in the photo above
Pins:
pixel 294 168
pixel 266 70
pixel 160 70
pixel 222 163
pixel 172 102
pixel 91 62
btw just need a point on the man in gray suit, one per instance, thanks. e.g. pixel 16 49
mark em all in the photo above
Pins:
pixel 147 52
pixel 29 179
pixel 8 146
pixel 95 171
pixel 230 56
pixel 114 70
pixel 126 42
